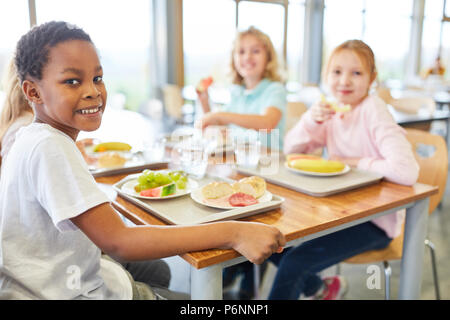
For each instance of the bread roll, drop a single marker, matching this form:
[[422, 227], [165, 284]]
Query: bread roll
[[243, 187], [258, 184], [216, 190], [111, 160]]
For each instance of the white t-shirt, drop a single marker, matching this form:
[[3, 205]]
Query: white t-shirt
[[44, 183]]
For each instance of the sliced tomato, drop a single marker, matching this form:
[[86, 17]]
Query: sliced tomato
[[241, 199]]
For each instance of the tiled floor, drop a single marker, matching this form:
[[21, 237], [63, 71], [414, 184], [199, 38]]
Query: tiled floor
[[357, 275]]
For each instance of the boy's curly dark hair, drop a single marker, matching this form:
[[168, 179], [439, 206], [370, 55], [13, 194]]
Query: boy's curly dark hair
[[33, 48]]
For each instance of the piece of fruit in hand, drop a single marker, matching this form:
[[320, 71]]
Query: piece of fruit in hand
[[204, 84], [336, 106]]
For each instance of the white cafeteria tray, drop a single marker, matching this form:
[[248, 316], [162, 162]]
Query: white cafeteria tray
[[317, 186], [185, 211], [128, 168]]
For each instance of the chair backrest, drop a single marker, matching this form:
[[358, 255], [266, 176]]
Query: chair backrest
[[430, 151], [413, 104], [173, 100], [294, 112], [385, 94]]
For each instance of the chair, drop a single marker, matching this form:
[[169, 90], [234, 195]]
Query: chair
[[294, 112], [414, 104], [174, 104], [433, 171], [410, 105], [173, 100], [385, 94]]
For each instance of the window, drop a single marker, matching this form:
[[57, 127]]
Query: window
[[207, 39], [436, 35], [372, 22], [341, 23], [295, 39], [256, 14], [121, 32], [14, 22], [389, 44]]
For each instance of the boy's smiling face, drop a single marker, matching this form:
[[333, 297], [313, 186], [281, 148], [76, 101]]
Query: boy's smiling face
[[71, 95]]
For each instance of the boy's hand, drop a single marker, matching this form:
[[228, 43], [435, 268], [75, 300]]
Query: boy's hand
[[257, 241]]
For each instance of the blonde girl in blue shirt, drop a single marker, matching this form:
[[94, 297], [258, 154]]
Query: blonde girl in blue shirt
[[258, 102], [258, 98]]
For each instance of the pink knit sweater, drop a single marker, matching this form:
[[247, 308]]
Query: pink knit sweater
[[368, 132]]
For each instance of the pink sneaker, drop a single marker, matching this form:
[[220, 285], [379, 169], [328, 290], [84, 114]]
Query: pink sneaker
[[334, 289]]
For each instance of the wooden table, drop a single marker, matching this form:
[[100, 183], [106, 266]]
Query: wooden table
[[302, 217]]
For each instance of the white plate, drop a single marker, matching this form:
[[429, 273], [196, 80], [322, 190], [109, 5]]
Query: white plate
[[319, 174], [128, 188], [197, 196]]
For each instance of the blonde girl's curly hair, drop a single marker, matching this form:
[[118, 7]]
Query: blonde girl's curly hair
[[15, 103], [271, 71]]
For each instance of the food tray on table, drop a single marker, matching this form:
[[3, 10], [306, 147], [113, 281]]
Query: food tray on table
[[112, 161], [128, 167], [184, 210], [317, 186]]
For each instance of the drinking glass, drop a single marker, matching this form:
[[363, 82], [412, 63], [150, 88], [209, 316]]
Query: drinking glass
[[154, 150], [194, 155], [247, 152]]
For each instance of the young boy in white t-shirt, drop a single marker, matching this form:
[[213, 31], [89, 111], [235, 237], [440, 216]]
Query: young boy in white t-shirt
[[54, 220]]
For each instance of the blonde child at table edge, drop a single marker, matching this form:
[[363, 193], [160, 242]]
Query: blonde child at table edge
[[54, 219], [258, 97], [366, 138]]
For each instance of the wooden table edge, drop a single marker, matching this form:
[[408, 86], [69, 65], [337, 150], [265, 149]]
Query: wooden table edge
[[228, 254]]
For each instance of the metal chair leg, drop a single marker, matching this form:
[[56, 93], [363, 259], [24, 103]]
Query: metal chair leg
[[256, 277], [430, 245], [387, 279]]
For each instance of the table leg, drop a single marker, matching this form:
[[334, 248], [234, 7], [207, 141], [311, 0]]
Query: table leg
[[256, 277], [413, 250], [206, 283]]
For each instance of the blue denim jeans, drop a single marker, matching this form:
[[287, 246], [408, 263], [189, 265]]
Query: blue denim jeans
[[298, 266]]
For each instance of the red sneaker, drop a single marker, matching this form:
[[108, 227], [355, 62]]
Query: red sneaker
[[334, 289]]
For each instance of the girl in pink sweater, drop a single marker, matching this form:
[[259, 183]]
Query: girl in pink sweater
[[364, 137]]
